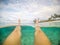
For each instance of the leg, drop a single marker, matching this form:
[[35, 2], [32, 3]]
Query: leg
[[40, 37], [15, 37]]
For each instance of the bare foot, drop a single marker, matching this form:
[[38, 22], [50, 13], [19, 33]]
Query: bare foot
[[40, 37], [15, 37]]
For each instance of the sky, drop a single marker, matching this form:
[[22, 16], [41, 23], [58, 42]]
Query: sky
[[27, 10]]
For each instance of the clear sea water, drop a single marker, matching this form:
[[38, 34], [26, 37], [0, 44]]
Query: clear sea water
[[53, 33]]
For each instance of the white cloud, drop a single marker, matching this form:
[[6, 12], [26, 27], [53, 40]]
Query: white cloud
[[33, 9], [29, 11]]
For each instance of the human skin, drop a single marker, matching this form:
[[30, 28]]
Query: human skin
[[15, 37], [40, 37]]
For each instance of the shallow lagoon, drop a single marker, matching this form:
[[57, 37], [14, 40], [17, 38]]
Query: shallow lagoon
[[28, 34]]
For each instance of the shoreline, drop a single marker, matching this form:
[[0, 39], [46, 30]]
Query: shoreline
[[27, 25], [32, 25]]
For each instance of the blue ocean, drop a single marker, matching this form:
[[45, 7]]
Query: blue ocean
[[53, 33]]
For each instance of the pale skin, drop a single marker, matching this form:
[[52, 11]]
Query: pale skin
[[15, 37], [40, 37]]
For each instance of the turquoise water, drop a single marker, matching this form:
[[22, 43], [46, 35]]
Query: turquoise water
[[53, 33], [4, 32], [27, 35]]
